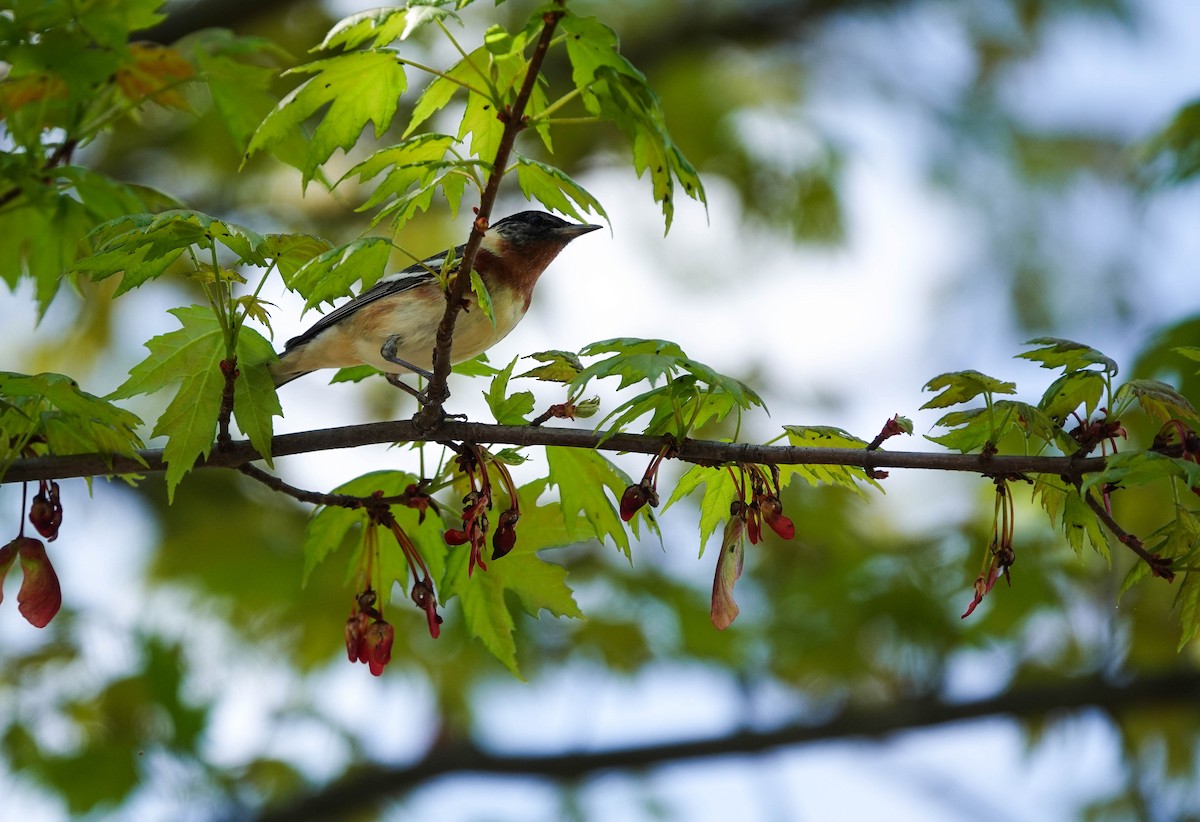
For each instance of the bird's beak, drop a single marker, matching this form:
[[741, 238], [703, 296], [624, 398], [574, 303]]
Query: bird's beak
[[570, 232]]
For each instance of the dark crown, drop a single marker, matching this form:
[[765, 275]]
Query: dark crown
[[534, 226]]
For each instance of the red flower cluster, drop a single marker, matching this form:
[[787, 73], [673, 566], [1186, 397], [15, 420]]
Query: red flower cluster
[[46, 512], [638, 495], [473, 462], [369, 636], [765, 506]]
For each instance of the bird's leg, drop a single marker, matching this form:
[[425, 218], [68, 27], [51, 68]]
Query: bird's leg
[[388, 352]]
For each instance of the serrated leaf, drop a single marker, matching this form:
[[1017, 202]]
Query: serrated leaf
[[560, 366], [610, 86], [1133, 468], [330, 525], [255, 402], [582, 477], [633, 360], [329, 276], [1156, 398], [358, 87], [964, 386], [385, 25], [476, 367], [1078, 522], [1067, 355], [69, 420], [720, 490], [554, 189], [508, 409], [441, 90], [538, 585], [1071, 390], [190, 357]]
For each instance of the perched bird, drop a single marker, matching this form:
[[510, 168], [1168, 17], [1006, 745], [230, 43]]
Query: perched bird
[[393, 324]]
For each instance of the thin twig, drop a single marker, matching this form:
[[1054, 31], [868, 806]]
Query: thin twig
[[1159, 566], [436, 393], [312, 497]]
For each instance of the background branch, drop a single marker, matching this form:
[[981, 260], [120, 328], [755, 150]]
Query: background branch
[[370, 786]]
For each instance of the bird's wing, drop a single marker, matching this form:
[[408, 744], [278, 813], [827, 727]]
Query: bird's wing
[[405, 280]]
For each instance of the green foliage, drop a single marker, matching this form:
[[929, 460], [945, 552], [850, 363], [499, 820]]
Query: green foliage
[[50, 414], [692, 394]]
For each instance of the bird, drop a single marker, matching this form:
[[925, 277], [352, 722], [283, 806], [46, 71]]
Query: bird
[[392, 325]]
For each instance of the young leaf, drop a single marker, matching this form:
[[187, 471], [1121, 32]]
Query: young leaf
[[633, 361], [611, 87], [508, 410], [560, 366], [385, 25], [720, 490], [1159, 400], [53, 408], [1067, 355], [479, 289], [963, 386], [1071, 390], [537, 584]]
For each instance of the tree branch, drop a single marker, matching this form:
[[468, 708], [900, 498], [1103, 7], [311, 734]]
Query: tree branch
[[239, 452], [367, 787], [428, 416]]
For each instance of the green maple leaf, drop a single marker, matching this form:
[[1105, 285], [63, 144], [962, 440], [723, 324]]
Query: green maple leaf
[[538, 585], [191, 357], [329, 275], [69, 420], [331, 525], [358, 87], [1067, 355], [255, 402], [720, 490], [554, 189], [508, 409], [582, 477], [962, 386]]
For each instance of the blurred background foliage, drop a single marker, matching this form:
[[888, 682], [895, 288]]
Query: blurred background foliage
[[119, 711]]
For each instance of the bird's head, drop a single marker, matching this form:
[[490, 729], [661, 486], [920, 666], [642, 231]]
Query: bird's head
[[517, 249], [530, 227]]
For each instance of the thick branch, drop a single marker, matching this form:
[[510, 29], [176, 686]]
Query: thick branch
[[514, 121], [239, 452], [368, 787]]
